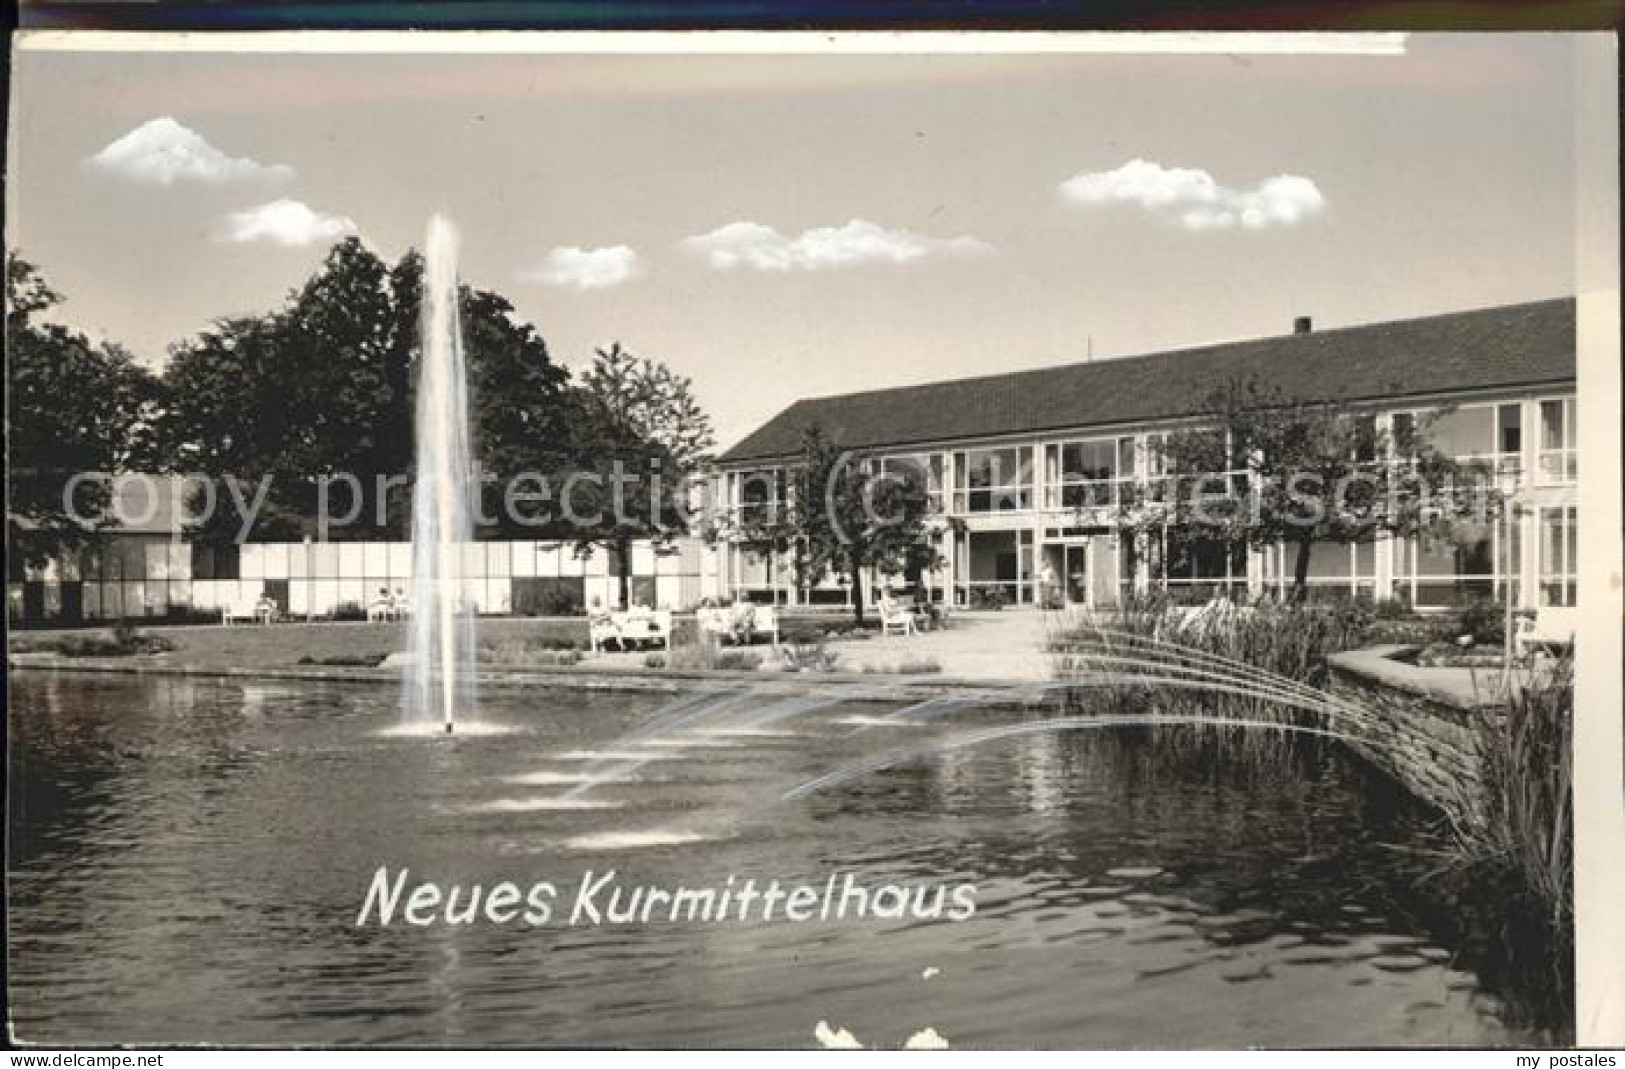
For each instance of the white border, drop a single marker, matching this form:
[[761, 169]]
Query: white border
[[1599, 722], [718, 42]]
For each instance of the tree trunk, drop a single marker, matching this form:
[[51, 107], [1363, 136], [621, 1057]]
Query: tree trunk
[[857, 593], [623, 551], [1300, 572]]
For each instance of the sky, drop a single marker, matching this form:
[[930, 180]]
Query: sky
[[786, 226]]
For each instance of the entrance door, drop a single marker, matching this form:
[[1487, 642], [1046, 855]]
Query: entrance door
[[1104, 556], [1075, 574]]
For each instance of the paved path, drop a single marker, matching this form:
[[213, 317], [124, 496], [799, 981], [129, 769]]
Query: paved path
[[975, 645], [992, 646]]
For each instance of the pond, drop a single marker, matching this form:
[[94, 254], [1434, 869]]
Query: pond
[[190, 856]]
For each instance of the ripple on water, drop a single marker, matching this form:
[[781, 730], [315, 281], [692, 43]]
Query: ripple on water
[[438, 731], [570, 779], [861, 720], [634, 840], [533, 805], [615, 755]]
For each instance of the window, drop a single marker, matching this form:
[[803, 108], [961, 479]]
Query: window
[[1557, 441], [1559, 542], [1085, 474], [994, 564], [215, 561], [1449, 571], [926, 467], [1509, 440], [1465, 433], [1509, 428], [1363, 428], [1481, 562], [1195, 568], [992, 480], [1335, 566], [760, 494]]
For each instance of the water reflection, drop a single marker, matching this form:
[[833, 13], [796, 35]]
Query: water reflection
[[1133, 889]]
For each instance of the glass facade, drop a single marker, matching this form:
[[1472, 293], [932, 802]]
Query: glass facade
[[993, 480], [1559, 555], [1086, 474], [1559, 459], [156, 577]]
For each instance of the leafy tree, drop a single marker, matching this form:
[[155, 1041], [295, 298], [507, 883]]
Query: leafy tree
[[72, 406], [1268, 469], [324, 387], [842, 514], [524, 409], [641, 435]]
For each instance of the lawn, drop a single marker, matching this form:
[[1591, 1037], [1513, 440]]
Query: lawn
[[283, 645]]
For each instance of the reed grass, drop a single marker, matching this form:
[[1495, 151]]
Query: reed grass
[[1528, 763]]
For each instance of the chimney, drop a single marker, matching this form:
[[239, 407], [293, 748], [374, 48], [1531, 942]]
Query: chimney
[[1302, 325]]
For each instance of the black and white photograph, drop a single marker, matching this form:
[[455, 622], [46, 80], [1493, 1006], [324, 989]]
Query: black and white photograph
[[988, 541]]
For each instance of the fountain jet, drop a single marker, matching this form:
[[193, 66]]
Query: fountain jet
[[439, 679]]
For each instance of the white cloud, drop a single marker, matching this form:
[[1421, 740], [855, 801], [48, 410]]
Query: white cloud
[[284, 222], [586, 269], [163, 152], [747, 244], [1194, 199]]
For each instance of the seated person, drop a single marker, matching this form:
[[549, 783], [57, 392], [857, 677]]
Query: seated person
[[710, 618], [741, 622]]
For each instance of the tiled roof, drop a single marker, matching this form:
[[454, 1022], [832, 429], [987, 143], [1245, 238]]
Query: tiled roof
[[1511, 345]]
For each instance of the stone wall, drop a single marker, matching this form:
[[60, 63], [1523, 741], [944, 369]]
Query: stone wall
[[1423, 728]]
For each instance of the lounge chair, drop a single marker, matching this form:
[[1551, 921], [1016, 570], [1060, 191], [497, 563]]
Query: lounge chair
[[713, 623], [764, 620], [895, 618], [240, 610], [1551, 632], [640, 626], [602, 630]]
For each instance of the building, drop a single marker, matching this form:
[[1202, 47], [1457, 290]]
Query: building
[[148, 569], [1030, 464]]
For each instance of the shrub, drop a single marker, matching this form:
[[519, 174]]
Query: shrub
[[347, 660], [808, 656], [533, 653], [988, 599], [705, 656], [910, 665], [654, 660], [349, 610], [1482, 618], [122, 641], [561, 602], [1395, 608], [1525, 832], [738, 660], [181, 613], [1289, 639]]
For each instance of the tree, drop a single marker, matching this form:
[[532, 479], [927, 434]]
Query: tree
[[72, 406], [842, 514], [322, 388], [638, 425], [1267, 469]]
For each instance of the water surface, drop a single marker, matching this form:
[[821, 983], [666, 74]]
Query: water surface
[[189, 856]]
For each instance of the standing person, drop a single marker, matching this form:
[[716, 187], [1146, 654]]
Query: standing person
[[1047, 594]]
